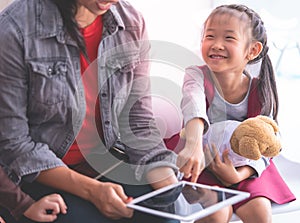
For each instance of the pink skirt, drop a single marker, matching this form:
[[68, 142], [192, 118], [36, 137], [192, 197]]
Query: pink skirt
[[270, 184]]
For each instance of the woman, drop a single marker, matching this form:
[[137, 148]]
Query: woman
[[74, 84]]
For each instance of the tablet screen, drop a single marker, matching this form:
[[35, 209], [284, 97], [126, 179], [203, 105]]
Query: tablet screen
[[187, 201]]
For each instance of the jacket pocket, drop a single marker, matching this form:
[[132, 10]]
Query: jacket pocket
[[48, 82]]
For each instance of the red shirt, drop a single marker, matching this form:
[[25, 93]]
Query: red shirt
[[88, 136]]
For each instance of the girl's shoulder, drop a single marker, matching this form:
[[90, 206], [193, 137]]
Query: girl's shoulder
[[198, 68], [196, 72]]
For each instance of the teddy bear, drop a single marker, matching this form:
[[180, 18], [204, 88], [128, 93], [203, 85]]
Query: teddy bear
[[247, 141], [256, 137]]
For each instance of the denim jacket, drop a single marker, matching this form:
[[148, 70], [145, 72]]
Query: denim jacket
[[42, 97]]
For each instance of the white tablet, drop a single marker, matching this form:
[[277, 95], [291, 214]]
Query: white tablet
[[186, 201]]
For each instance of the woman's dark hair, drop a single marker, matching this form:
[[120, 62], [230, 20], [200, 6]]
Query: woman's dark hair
[[68, 10], [267, 88]]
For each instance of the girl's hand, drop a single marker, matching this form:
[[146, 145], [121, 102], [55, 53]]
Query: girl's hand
[[191, 162], [111, 200], [223, 170], [38, 210]]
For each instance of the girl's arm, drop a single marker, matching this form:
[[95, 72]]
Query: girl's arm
[[193, 105], [191, 160]]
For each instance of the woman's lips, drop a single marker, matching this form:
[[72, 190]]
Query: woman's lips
[[104, 6]]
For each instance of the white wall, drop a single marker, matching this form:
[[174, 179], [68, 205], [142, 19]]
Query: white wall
[[180, 22], [175, 21]]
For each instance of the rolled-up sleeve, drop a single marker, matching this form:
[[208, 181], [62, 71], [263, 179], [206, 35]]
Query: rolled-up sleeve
[[138, 129]]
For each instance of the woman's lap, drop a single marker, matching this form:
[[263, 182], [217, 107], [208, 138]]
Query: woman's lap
[[80, 210]]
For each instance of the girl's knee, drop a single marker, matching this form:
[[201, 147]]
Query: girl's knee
[[256, 210], [222, 216]]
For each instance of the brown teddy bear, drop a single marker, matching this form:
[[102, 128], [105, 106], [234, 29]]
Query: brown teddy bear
[[247, 140], [256, 137]]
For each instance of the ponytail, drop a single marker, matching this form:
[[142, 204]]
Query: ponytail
[[267, 88]]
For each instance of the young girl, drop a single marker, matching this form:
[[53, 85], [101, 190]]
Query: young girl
[[233, 37]]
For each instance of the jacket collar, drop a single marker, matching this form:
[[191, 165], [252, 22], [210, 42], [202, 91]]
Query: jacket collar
[[50, 24]]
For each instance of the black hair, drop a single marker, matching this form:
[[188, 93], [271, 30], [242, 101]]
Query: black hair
[[267, 88], [68, 10]]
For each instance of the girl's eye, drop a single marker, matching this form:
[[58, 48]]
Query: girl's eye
[[209, 36], [230, 37]]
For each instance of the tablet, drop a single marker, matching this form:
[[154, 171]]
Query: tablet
[[186, 201]]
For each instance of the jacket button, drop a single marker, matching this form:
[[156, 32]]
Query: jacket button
[[50, 70], [112, 28], [107, 122]]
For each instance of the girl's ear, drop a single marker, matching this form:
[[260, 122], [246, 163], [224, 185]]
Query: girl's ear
[[255, 50]]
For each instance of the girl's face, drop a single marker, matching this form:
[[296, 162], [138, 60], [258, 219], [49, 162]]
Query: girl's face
[[225, 43]]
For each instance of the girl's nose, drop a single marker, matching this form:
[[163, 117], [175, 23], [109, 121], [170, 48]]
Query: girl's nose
[[217, 45]]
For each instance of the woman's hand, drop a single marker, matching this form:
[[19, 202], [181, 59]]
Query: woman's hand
[[38, 210], [111, 200]]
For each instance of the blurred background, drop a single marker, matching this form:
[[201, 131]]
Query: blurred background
[[180, 22]]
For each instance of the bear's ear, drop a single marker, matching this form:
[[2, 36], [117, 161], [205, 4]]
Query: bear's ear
[[269, 121], [249, 148]]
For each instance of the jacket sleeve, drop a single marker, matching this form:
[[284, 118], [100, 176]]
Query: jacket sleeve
[[12, 198], [18, 151], [144, 144]]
